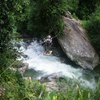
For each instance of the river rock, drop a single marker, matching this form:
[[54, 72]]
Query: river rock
[[53, 77], [25, 56], [63, 60], [22, 70], [77, 46]]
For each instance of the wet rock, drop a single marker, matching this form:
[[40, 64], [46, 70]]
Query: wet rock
[[53, 77], [25, 56], [77, 46], [55, 53], [63, 60]]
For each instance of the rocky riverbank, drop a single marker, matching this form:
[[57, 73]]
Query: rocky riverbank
[[22, 70]]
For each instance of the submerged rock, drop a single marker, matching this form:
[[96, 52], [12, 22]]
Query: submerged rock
[[53, 77], [77, 46], [25, 56]]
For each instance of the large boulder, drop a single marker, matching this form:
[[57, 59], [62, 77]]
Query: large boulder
[[77, 46]]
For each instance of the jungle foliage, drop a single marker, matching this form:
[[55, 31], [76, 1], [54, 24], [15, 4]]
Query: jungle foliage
[[93, 27], [19, 89], [86, 7], [8, 11], [42, 17]]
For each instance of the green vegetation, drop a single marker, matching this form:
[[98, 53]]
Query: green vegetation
[[93, 27], [18, 64], [8, 12], [42, 17], [38, 18], [19, 89], [69, 90], [86, 7]]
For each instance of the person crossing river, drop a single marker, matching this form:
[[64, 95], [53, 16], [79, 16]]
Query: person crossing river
[[47, 44]]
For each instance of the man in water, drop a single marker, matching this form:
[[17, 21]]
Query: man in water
[[48, 43]]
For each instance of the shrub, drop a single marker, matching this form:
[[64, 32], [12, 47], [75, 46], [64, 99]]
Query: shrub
[[93, 28], [97, 91], [18, 64]]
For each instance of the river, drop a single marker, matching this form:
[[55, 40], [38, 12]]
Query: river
[[41, 65]]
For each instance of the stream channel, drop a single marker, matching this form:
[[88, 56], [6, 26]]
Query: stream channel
[[41, 65]]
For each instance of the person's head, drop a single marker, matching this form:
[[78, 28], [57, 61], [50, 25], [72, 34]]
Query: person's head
[[49, 36]]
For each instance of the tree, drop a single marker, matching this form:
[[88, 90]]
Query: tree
[[8, 10], [93, 27], [86, 7], [45, 15]]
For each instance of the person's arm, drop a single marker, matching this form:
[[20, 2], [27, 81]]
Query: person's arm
[[51, 40]]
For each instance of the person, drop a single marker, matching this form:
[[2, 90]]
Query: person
[[47, 43]]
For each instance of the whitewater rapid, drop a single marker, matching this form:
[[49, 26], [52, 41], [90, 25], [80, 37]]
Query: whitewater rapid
[[52, 64]]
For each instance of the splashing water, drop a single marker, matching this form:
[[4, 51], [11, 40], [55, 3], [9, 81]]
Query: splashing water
[[51, 64]]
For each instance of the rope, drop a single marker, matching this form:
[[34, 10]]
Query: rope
[[44, 41], [57, 34]]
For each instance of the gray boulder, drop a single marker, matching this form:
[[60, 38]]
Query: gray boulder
[[77, 46]]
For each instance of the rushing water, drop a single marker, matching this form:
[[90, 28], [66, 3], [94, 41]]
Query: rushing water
[[40, 65]]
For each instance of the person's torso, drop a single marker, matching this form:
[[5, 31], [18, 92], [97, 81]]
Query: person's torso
[[48, 40]]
